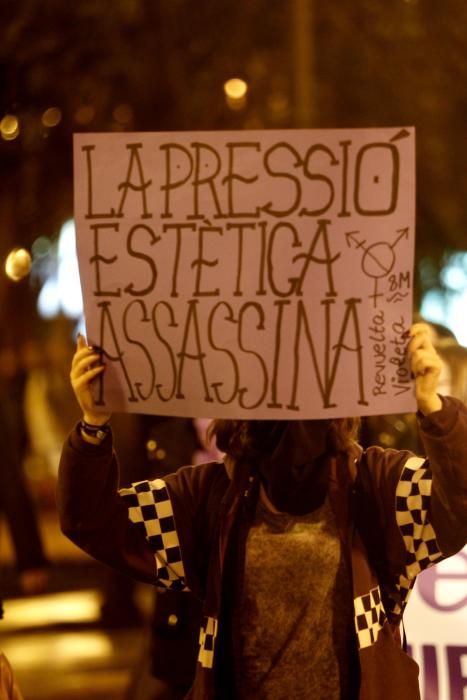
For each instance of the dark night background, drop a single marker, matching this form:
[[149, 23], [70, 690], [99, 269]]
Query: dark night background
[[146, 65]]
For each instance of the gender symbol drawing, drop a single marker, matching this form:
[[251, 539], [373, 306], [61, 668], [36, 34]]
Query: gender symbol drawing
[[378, 261]]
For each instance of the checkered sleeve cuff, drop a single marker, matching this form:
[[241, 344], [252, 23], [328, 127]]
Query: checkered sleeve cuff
[[413, 495], [150, 509]]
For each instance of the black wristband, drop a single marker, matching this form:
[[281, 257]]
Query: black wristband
[[95, 431]]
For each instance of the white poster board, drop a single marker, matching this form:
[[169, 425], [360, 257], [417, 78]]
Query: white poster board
[[250, 274]]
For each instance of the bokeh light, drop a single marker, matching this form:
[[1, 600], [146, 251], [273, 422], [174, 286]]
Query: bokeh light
[[123, 114], [447, 304], [84, 115], [9, 127], [18, 264], [235, 90], [41, 247], [51, 117]]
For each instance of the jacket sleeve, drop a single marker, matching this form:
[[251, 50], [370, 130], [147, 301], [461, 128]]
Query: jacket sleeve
[[170, 515], [148, 530], [422, 501], [444, 436]]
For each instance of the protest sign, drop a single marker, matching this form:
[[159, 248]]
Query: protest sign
[[436, 621], [249, 274]]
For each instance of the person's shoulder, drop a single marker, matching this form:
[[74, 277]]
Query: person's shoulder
[[203, 474], [377, 457]]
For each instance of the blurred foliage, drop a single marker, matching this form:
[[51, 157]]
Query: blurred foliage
[[398, 62]]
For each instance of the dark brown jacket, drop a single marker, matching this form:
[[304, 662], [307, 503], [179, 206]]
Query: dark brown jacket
[[174, 533]]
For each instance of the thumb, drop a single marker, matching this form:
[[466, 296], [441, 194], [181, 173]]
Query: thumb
[[81, 342]]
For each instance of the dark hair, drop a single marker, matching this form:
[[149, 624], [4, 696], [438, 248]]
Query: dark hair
[[247, 439]]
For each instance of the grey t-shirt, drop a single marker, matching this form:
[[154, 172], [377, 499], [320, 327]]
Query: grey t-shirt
[[296, 613]]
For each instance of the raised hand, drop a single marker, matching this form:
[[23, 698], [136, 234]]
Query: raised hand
[[85, 367], [426, 367]]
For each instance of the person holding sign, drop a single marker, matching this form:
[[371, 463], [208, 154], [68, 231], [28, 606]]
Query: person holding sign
[[302, 546]]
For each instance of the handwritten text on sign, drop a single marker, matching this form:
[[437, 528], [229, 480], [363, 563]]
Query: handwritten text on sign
[[261, 274]]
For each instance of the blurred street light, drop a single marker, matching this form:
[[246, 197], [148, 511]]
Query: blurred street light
[[9, 127], [235, 90], [18, 264], [51, 117]]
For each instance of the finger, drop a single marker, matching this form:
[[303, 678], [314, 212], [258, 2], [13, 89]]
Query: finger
[[424, 362], [83, 363], [81, 341], [86, 350], [82, 344], [79, 354], [87, 377], [420, 328], [421, 340], [429, 352]]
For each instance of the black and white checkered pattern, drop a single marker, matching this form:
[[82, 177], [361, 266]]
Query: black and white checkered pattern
[[413, 494], [207, 640], [150, 508], [404, 588], [369, 617]]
